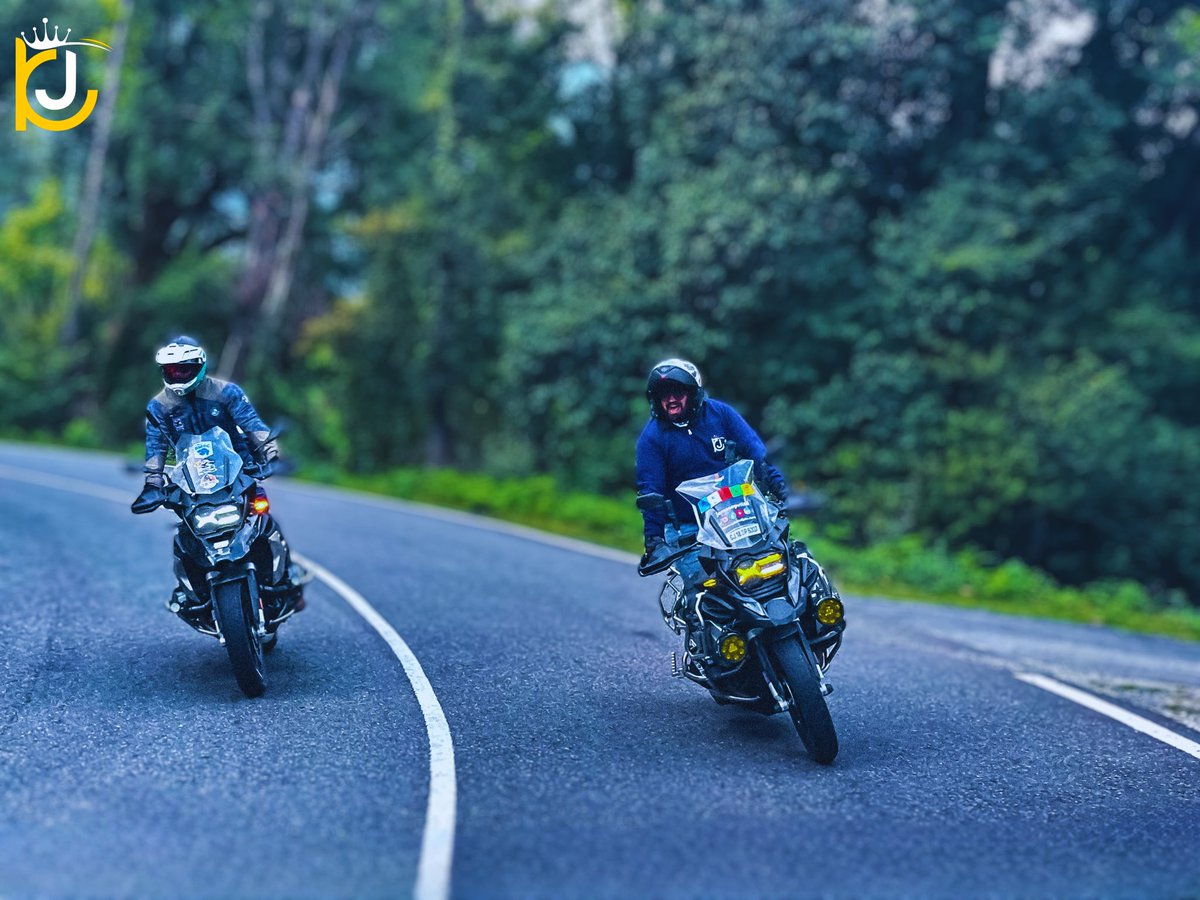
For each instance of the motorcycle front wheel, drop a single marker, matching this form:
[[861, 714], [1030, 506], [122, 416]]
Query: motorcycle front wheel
[[238, 624], [810, 713]]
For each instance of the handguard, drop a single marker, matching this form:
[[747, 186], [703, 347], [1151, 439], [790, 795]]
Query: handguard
[[661, 559], [150, 499]]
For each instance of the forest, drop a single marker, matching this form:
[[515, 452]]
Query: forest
[[942, 255]]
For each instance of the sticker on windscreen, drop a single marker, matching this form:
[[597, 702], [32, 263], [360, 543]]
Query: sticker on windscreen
[[737, 521]]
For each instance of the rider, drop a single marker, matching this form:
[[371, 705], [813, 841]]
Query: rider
[[192, 402], [686, 438]]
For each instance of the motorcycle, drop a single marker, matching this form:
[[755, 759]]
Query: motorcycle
[[235, 578], [766, 622]]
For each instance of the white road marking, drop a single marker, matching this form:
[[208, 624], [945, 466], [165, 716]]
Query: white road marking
[[64, 483], [437, 843], [1083, 698]]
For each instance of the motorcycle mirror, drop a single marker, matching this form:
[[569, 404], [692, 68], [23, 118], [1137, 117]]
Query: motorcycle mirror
[[805, 501], [282, 467], [281, 426]]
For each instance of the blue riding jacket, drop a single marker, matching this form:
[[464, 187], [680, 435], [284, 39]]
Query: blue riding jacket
[[212, 402], [668, 455]]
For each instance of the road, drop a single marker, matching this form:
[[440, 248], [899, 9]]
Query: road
[[131, 765]]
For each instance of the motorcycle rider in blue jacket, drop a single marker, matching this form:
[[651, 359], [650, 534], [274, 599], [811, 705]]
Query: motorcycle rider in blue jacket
[[686, 437], [192, 402]]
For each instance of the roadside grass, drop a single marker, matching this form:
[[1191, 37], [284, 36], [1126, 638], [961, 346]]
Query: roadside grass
[[902, 569]]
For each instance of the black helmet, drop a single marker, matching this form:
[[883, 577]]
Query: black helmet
[[675, 371]]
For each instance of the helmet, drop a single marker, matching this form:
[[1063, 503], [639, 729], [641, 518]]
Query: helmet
[[183, 363], [675, 371]]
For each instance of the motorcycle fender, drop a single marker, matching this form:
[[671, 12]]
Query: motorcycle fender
[[784, 632], [780, 611], [805, 646]]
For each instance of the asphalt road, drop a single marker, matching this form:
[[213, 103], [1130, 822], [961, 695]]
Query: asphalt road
[[131, 765]]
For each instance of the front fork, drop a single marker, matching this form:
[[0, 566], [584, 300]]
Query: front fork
[[246, 573], [779, 691]]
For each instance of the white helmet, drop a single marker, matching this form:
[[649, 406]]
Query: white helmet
[[183, 362]]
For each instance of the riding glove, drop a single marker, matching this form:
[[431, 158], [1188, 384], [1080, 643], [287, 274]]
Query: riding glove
[[151, 497]]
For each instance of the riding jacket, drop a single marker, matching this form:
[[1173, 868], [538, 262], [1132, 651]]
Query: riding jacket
[[669, 454], [212, 402]]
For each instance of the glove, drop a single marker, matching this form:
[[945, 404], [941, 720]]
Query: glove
[[270, 451], [150, 499]]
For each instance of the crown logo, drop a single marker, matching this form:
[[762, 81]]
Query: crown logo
[[45, 42]]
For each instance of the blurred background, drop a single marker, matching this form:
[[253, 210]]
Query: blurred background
[[941, 254]]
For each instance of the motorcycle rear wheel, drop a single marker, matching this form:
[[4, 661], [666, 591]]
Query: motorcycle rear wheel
[[238, 624], [810, 713]]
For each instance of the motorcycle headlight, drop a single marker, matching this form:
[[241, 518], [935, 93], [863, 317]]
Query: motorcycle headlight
[[209, 519], [761, 569]]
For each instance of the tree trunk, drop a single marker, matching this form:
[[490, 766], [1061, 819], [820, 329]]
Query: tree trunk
[[93, 181], [292, 141]]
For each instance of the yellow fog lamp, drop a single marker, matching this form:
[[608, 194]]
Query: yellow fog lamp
[[830, 611], [733, 647], [766, 567]]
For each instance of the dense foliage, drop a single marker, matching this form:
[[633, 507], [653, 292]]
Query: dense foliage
[[942, 254]]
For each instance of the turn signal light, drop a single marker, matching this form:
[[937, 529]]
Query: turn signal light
[[261, 505], [830, 611]]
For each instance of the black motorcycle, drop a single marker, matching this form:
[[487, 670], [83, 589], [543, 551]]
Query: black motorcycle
[[765, 622], [235, 578]]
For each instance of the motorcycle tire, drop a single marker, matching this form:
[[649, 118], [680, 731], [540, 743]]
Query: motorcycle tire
[[235, 618], [810, 713]]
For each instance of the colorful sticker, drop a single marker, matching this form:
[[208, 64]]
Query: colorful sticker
[[725, 493]]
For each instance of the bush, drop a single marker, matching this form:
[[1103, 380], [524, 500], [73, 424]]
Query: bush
[[902, 567]]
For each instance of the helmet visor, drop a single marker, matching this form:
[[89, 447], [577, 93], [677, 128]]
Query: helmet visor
[[180, 372], [668, 388]]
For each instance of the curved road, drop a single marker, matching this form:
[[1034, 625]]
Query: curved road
[[131, 765]]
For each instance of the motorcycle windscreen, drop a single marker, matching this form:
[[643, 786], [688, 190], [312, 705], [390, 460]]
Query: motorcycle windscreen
[[205, 463], [731, 511]]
